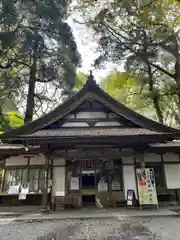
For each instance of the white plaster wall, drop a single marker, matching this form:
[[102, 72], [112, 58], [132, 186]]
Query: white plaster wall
[[58, 184], [75, 124], [106, 124], [170, 157], [128, 160], [172, 175], [152, 157], [37, 160], [129, 179], [137, 158], [15, 161], [91, 115], [59, 161]]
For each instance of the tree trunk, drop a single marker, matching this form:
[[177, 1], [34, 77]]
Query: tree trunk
[[31, 87], [46, 177], [155, 95], [177, 79]]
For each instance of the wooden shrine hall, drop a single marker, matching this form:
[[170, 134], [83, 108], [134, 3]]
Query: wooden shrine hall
[[90, 151]]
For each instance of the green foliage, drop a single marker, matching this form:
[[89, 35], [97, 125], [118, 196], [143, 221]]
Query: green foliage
[[122, 86], [127, 89], [144, 36], [15, 119], [11, 120], [9, 116], [38, 52], [81, 79]]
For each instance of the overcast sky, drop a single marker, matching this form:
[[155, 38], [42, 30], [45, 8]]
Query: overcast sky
[[87, 48]]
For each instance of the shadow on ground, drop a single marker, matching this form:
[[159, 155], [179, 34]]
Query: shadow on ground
[[125, 229]]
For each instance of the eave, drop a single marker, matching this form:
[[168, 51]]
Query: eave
[[121, 141], [13, 150]]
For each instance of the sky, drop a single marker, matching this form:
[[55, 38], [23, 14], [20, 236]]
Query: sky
[[87, 48]]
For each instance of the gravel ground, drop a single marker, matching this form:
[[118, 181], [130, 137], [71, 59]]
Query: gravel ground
[[109, 229]]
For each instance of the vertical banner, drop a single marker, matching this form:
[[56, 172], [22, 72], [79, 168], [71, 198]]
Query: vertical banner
[[146, 186], [24, 191]]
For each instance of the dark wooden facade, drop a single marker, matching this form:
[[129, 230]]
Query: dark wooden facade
[[90, 125]]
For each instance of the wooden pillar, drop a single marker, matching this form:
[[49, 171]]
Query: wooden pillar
[[142, 162], [142, 166], [45, 189], [2, 179]]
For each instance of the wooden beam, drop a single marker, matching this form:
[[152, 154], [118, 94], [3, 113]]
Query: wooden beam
[[120, 141], [45, 189], [2, 179], [91, 154]]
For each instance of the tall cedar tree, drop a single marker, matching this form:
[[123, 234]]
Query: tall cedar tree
[[39, 55]]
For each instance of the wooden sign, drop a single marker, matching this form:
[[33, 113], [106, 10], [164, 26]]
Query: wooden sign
[[146, 186], [24, 188], [22, 196], [74, 183], [131, 198], [102, 185]]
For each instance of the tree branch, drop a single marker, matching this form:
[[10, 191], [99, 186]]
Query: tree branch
[[163, 70], [44, 81]]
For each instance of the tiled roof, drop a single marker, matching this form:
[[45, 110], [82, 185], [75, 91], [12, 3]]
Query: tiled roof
[[67, 132]]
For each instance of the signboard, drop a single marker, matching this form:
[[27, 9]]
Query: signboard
[[22, 196], [115, 185], [74, 184], [90, 171], [24, 191], [102, 185], [131, 198], [24, 188], [13, 189], [146, 186]]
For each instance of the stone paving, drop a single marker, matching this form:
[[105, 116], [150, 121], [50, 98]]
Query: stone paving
[[128, 228], [35, 213], [88, 214]]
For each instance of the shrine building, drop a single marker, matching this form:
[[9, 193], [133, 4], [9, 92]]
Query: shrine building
[[86, 152]]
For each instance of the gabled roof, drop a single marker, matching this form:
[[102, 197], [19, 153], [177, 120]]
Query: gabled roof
[[90, 91]]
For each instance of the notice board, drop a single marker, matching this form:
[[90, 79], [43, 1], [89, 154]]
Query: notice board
[[131, 198], [146, 186]]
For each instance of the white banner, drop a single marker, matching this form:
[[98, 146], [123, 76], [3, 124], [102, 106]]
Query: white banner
[[74, 183], [22, 196]]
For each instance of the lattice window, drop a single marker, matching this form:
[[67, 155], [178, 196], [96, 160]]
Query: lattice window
[[116, 176], [35, 178]]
